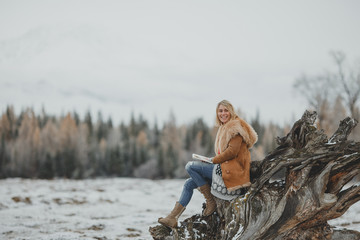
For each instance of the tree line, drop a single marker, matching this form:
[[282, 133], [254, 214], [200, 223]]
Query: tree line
[[44, 146]]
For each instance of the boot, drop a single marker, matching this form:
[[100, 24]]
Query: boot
[[171, 219], [210, 201]]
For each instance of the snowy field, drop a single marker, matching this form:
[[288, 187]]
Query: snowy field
[[115, 208]]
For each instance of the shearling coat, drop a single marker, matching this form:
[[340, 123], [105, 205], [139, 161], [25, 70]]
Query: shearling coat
[[232, 144]]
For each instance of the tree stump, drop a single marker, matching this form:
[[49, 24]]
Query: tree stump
[[296, 189]]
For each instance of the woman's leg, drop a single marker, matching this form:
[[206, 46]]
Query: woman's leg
[[200, 172], [187, 192]]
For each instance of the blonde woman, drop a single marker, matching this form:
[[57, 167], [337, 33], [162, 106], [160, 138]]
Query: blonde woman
[[229, 174]]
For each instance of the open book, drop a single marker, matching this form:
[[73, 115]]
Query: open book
[[201, 158]]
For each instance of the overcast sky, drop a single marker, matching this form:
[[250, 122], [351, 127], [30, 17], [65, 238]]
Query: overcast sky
[[153, 57]]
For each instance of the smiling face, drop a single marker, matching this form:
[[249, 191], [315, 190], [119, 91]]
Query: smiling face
[[223, 114]]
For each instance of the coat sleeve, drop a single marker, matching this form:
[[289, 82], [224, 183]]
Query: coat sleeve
[[231, 151]]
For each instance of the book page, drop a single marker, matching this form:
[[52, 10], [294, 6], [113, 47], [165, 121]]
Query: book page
[[201, 158]]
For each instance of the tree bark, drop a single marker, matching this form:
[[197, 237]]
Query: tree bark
[[296, 189]]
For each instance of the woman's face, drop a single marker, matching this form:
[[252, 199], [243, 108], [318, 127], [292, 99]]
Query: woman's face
[[223, 114]]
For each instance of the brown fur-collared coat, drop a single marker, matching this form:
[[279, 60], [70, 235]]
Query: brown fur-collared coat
[[232, 144]]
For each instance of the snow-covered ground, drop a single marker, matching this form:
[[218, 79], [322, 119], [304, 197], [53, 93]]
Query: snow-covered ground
[[115, 208]]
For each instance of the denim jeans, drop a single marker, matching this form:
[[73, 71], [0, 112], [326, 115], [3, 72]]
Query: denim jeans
[[200, 174]]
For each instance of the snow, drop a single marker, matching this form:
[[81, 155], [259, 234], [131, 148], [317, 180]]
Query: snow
[[239, 232], [115, 208], [350, 155], [112, 208]]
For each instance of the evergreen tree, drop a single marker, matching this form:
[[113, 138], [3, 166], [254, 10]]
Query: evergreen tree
[[76, 118], [109, 123], [10, 113], [116, 163], [160, 163], [156, 136], [132, 127], [258, 127], [46, 167], [171, 162], [101, 128], [88, 121]]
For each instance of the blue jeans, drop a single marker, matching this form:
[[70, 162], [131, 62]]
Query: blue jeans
[[200, 174]]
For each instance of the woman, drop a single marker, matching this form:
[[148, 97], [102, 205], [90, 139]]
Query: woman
[[230, 171]]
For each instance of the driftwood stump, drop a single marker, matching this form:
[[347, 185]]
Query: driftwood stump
[[306, 181]]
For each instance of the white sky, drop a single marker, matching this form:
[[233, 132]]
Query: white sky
[[153, 57]]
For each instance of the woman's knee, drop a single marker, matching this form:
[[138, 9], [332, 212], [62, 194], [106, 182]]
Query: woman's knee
[[188, 166], [190, 184]]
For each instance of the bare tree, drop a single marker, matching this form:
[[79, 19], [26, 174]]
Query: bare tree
[[318, 92], [349, 81], [325, 91]]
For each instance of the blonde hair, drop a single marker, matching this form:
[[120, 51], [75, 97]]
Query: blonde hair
[[229, 107]]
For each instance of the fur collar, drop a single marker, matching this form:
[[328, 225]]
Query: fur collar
[[229, 130]]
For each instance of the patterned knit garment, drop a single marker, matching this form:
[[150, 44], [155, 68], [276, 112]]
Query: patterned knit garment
[[218, 188]]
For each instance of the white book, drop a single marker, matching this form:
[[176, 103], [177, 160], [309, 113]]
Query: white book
[[201, 158]]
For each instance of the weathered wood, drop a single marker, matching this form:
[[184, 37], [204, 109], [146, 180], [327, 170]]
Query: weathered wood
[[295, 206]]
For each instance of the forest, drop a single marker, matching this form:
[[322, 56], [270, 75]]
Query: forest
[[44, 146], [39, 145]]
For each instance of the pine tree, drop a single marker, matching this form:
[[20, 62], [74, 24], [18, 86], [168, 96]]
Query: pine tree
[[116, 163], [160, 163], [88, 121], [258, 127]]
